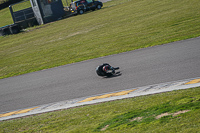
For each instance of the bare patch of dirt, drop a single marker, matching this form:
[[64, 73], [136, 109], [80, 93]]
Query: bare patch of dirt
[[173, 114], [180, 112], [103, 129], [162, 115], [136, 119]]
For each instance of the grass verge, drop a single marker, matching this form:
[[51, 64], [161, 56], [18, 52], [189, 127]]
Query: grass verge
[[122, 25], [176, 111]]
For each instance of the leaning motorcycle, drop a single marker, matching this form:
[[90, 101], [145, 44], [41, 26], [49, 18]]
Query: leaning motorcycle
[[109, 73]]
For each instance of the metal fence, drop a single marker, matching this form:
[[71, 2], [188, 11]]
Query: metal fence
[[23, 15]]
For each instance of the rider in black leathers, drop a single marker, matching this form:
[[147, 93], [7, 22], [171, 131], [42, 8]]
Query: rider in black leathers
[[105, 70]]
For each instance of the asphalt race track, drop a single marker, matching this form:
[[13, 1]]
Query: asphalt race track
[[159, 64]]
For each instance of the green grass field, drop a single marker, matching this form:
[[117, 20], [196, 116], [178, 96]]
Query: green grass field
[[122, 25], [176, 111]]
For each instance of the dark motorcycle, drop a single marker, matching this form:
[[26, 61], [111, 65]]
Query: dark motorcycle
[[106, 70]]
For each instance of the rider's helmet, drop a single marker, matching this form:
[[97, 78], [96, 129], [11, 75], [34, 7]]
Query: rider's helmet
[[106, 68]]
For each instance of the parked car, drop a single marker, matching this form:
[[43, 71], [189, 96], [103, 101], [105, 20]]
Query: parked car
[[81, 6]]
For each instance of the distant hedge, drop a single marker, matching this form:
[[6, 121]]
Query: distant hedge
[[6, 3]]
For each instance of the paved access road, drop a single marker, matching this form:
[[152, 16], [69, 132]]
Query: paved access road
[[159, 64]]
